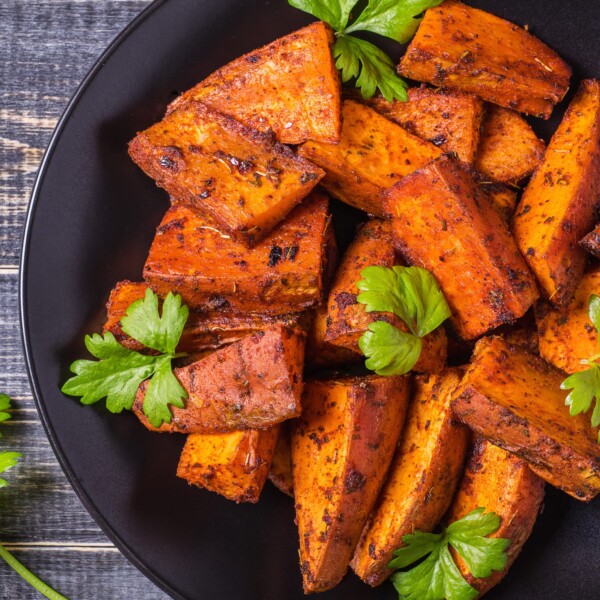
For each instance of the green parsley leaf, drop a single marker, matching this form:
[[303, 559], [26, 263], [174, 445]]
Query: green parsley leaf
[[7, 461], [163, 385], [4, 406], [585, 386], [416, 547], [334, 12], [594, 312], [424, 581]]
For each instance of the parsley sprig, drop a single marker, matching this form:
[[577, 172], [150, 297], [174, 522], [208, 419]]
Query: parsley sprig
[[437, 577], [585, 385], [361, 60], [414, 295], [119, 371]]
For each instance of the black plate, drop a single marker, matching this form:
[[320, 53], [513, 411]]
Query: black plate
[[90, 224]]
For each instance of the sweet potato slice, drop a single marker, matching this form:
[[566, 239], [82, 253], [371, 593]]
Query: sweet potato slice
[[508, 150], [502, 483], [280, 473], [448, 119], [281, 273], [558, 206], [514, 399], [463, 48], [591, 242], [443, 222], [242, 179], [342, 446], [567, 336], [290, 86], [373, 153], [422, 479], [347, 320], [253, 384], [233, 464]]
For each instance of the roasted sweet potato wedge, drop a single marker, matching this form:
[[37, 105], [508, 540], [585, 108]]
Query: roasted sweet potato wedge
[[290, 86], [503, 198], [233, 464], [443, 222], [342, 446], [448, 119], [463, 48], [591, 242], [281, 273], [501, 483], [242, 179], [252, 384], [280, 473], [373, 153], [347, 320], [514, 400], [558, 206], [508, 150], [422, 479], [567, 336]]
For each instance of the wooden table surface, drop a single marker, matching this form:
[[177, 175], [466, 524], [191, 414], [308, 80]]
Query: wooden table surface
[[46, 48]]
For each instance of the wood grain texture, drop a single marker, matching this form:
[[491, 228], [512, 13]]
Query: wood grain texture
[[47, 47]]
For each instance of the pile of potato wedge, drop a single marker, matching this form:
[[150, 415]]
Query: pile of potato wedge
[[454, 181]]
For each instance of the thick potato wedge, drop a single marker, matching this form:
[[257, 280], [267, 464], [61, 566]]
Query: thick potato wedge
[[502, 483], [450, 120], [463, 48], [514, 399], [508, 150], [290, 86], [591, 242], [558, 206], [443, 222], [342, 446], [233, 464], [281, 273], [280, 473], [567, 336], [373, 153], [503, 198], [422, 479], [242, 179], [252, 384], [347, 320]]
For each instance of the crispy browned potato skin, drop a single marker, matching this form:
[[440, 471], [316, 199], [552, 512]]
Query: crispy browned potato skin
[[514, 399], [280, 473], [448, 119], [342, 446], [501, 483], [290, 86], [591, 242], [558, 206], [282, 272], [443, 222], [567, 335], [422, 479], [252, 384], [246, 182], [508, 150], [347, 320], [233, 464], [373, 153], [463, 48]]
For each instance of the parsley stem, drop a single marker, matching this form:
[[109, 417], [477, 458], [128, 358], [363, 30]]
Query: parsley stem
[[28, 576]]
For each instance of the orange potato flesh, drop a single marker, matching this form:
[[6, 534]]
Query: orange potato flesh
[[591, 242], [280, 473], [502, 197]]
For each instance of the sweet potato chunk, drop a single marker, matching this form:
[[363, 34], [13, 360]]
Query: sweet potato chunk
[[342, 446], [591, 242], [450, 120], [242, 179], [282, 273], [508, 150], [373, 153], [443, 222], [558, 207], [502, 483], [567, 336], [422, 479], [252, 384], [233, 464], [503, 198], [463, 48], [514, 399], [347, 320], [290, 86], [280, 473]]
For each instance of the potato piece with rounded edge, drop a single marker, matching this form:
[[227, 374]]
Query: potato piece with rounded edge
[[422, 479], [501, 483], [280, 472], [591, 242], [234, 465], [514, 400], [342, 446]]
